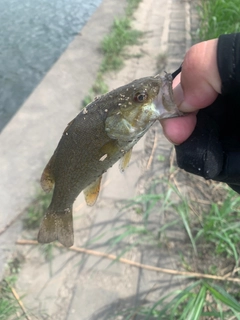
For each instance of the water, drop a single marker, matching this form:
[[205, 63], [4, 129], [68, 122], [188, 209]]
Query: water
[[33, 34]]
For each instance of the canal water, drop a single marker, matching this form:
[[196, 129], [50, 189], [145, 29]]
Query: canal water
[[33, 34]]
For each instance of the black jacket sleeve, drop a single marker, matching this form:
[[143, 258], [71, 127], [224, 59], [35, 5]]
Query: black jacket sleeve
[[228, 60]]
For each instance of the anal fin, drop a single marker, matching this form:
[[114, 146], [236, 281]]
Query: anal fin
[[57, 226], [92, 191], [124, 161]]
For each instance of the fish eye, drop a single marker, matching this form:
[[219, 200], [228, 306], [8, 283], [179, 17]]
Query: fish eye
[[140, 97]]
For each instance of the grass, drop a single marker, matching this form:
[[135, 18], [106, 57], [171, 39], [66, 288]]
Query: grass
[[8, 304], [113, 49], [9, 307], [213, 235], [113, 44], [221, 228], [199, 299], [99, 88], [218, 229], [132, 5], [147, 233], [218, 17]]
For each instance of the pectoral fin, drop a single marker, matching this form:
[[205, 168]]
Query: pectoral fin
[[47, 179], [124, 161], [92, 191], [117, 127]]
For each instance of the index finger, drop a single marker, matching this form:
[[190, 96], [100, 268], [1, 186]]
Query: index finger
[[200, 80]]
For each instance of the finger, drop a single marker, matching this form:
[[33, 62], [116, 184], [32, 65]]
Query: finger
[[200, 80], [177, 130]]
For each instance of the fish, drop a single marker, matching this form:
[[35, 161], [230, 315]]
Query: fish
[[102, 133]]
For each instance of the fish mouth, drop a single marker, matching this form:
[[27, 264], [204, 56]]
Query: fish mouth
[[164, 102]]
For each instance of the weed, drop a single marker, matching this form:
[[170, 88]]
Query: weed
[[8, 305], [113, 44], [131, 7], [200, 299], [218, 17], [98, 89], [197, 300], [220, 228], [112, 47], [161, 158]]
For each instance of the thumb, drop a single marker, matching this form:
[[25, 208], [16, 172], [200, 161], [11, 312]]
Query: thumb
[[200, 80]]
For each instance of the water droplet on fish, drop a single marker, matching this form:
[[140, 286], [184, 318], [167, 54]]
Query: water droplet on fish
[[106, 110], [103, 157]]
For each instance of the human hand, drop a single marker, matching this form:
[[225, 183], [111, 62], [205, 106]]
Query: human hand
[[196, 87], [207, 139]]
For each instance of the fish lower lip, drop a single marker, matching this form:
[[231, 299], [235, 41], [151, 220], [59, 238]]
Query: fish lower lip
[[164, 101]]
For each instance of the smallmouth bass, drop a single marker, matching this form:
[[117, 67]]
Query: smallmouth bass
[[101, 134]]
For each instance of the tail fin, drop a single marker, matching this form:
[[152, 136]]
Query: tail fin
[[57, 226]]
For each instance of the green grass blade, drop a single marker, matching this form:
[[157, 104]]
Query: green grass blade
[[220, 294], [237, 315], [225, 238], [182, 211], [173, 304], [196, 311]]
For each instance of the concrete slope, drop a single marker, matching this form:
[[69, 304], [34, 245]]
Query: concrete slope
[[81, 286], [31, 136]]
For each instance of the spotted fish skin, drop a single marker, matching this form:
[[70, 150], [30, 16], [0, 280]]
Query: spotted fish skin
[[101, 134]]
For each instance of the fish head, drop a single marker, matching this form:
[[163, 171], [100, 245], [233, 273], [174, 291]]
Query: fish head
[[140, 103]]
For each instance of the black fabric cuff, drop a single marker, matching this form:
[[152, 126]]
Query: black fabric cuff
[[228, 60]]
